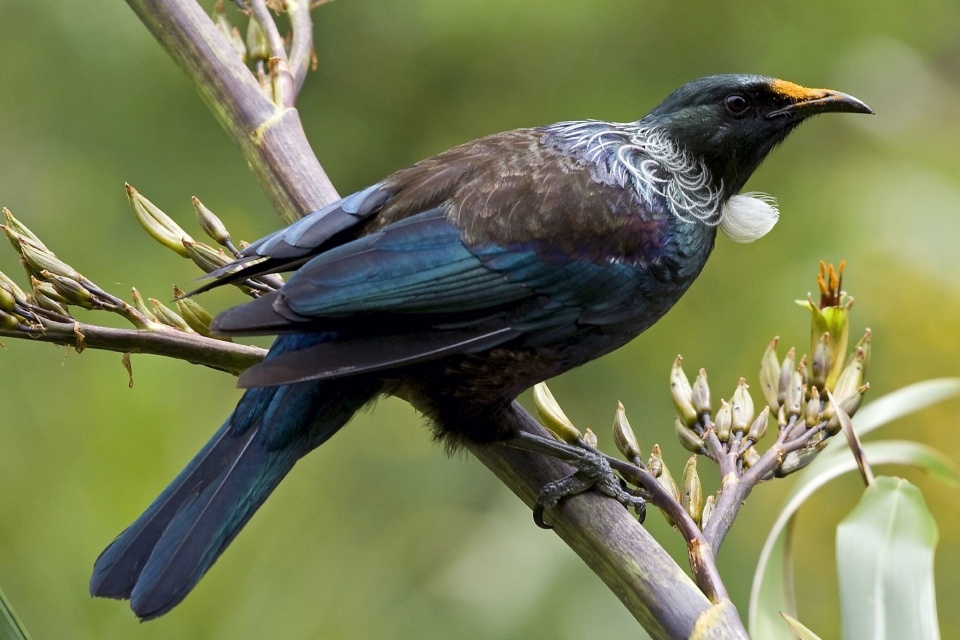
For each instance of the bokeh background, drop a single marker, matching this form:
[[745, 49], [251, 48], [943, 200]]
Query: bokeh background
[[379, 534]]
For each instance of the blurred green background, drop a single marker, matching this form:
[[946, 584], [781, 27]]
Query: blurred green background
[[379, 534]]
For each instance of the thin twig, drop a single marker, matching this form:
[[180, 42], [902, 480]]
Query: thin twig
[[284, 92], [218, 354], [301, 45]]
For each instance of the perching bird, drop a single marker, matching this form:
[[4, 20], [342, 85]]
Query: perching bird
[[458, 283]]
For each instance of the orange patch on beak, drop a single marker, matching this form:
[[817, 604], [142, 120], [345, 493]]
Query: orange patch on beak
[[795, 92]]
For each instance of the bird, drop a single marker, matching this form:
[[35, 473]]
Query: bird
[[456, 284]]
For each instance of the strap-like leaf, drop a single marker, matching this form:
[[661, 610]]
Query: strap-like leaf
[[769, 594], [885, 550], [10, 626], [801, 630]]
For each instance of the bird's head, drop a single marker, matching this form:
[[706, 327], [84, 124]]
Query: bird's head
[[733, 121]]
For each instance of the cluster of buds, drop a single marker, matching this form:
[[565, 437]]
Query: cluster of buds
[[807, 403], [270, 56], [801, 398], [208, 258], [55, 286], [14, 305]]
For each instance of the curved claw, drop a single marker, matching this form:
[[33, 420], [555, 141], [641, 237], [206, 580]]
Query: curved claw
[[641, 511], [538, 510]]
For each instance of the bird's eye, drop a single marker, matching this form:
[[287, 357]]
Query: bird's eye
[[737, 104]]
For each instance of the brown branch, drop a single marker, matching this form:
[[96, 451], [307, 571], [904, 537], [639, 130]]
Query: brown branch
[[271, 137], [700, 552], [284, 92], [301, 46], [218, 354], [614, 545]]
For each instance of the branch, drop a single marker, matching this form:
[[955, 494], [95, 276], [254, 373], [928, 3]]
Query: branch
[[270, 137], [301, 45], [163, 341], [614, 545]]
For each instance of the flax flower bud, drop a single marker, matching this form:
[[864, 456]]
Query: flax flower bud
[[787, 368], [169, 317], [687, 437], [750, 457], [623, 434], [205, 256], [71, 291], [196, 317], [691, 496], [770, 375], [701, 393], [708, 506], [820, 368], [830, 316], [140, 305], [741, 405], [850, 404], [655, 462], [812, 414], [9, 321], [665, 478], [851, 378], [793, 401], [759, 426], [158, 224], [21, 230], [682, 393], [8, 284], [553, 416], [210, 223], [723, 421]]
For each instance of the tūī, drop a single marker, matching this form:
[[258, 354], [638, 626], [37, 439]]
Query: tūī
[[456, 284]]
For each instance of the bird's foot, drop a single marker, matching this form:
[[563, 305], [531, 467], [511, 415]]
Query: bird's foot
[[593, 472]]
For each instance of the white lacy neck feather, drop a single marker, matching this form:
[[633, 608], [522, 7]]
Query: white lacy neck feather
[[644, 157]]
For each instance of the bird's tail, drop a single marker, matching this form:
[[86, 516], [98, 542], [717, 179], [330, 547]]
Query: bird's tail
[[158, 559]]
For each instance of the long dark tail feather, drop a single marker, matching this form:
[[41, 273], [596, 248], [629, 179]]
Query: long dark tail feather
[[158, 559]]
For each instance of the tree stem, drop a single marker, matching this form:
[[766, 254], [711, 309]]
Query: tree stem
[[270, 136], [614, 545]]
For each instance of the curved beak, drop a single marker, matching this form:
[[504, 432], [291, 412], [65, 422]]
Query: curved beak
[[810, 102]]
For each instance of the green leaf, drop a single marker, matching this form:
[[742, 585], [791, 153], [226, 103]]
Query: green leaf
[[776, 563], [886, 409], [885, 561], [799, 629], [771, 591], [10, 626], [905, 401]]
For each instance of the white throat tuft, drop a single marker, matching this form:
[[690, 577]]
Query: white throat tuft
[[749, 216]]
